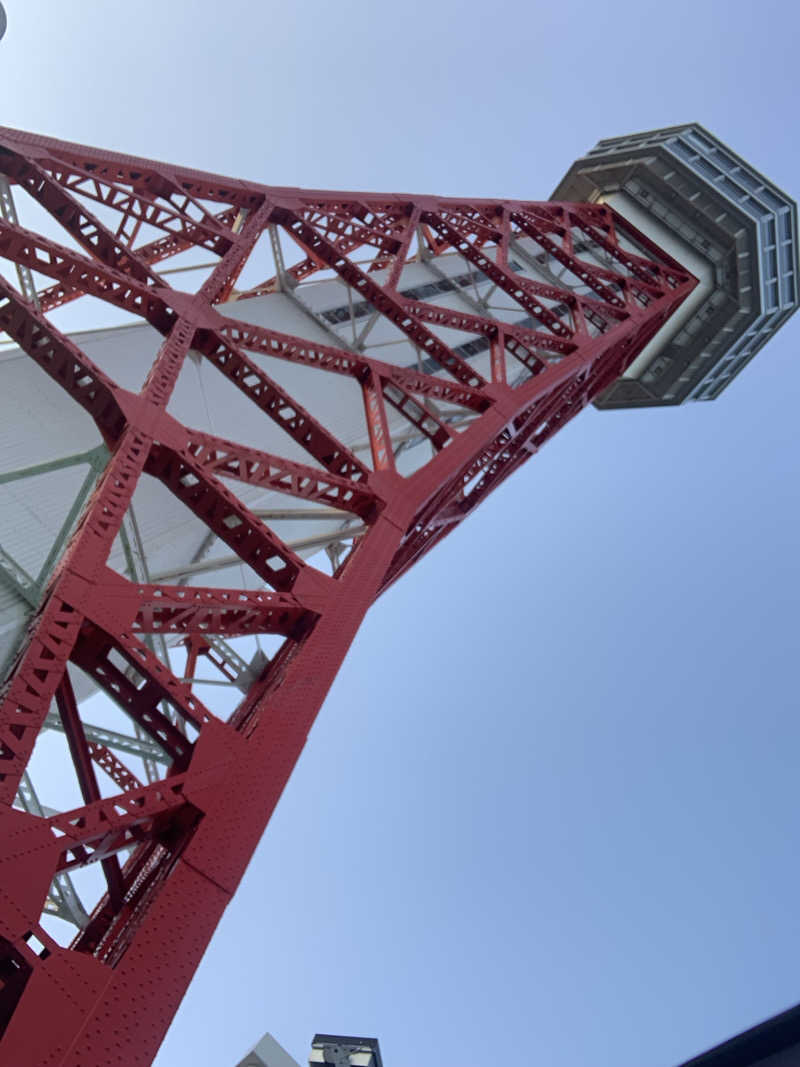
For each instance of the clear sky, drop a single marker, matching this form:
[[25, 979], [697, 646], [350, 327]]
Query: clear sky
[[549, 812]]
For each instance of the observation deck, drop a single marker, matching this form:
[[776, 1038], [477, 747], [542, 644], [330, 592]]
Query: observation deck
[[732, 227]]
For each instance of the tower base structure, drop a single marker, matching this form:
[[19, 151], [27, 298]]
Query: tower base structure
[[472, 331]]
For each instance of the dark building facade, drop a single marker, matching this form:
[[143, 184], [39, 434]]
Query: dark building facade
[[773, 1043]]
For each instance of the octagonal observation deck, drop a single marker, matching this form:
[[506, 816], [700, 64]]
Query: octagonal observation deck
[[733, 228]]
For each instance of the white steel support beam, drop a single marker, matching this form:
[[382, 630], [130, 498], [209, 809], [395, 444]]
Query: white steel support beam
[[276, 514], [9, 212], [142, 747], [289, 287], [322, 322], [284, 281], [13, 573], [223, 562], [15, 576]]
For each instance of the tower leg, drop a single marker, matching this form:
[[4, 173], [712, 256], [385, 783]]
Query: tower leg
[[173, 851]]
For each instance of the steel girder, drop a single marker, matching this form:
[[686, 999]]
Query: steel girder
[[174, 850]]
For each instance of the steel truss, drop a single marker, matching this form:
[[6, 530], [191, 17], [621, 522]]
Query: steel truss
[[174, 850]]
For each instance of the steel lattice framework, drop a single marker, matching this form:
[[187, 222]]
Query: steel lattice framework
[[187, 837]]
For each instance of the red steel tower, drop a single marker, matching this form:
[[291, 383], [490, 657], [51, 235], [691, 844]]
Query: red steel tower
[[400, 358]]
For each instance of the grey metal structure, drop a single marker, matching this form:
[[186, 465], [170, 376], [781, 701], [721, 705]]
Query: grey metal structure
[[345, 1051], [734, 228], [268, 1053], [325, 1048], [773, 1043]]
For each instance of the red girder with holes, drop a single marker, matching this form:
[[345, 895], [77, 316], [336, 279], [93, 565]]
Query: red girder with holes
[[109, 997]]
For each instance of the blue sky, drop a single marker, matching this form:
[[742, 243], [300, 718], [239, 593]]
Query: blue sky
[[549, 809]]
